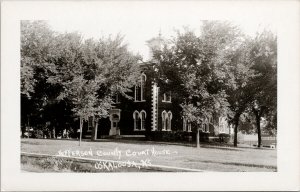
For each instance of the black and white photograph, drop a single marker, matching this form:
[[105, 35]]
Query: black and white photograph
[[201, 99], [144, 87]]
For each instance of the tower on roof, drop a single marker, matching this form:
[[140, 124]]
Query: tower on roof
[[154, 44]]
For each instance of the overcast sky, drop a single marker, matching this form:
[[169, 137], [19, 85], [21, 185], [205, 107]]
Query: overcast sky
[[137, 29]]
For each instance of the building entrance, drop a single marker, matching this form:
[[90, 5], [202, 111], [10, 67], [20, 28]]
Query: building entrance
[[114, 117]]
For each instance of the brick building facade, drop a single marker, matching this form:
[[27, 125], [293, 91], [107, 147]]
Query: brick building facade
[[150, 111]]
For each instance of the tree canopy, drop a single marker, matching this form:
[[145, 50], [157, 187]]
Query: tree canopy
[[221, 71], [84, 74]]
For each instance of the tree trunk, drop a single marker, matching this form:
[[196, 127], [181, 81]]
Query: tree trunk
[[80, 122], [236, 124], [258, 133], [198, 138], [257, 117], [94, 132], [23, 129], [53, 132], [28, 125]]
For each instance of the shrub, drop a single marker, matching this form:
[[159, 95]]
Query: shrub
[[38, 134], [224, 137]]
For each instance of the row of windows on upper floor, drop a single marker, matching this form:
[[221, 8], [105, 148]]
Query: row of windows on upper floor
[[139, 92]]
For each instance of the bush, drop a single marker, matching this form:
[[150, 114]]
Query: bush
[[164, 136], [38, 134], [204, 136], [224, 137]]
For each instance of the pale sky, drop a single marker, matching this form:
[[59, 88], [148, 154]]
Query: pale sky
[[138, 30]]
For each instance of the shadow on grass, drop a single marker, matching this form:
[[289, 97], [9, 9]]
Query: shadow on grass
[[207, 145], [237, 164], [184, 144]]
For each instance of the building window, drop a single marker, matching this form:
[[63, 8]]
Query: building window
[[139, 120], [143, 118], [139, 93], [115, 98], [136, 119], [205, 126], [187, 126], [167, 97], [166, 120], [90, 123], [163, 117], [170, 116], [143, 83], [222, 125]]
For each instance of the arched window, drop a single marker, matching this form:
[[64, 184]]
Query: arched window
[[143, 119], [166, 120], [163, 117], [117, 99], [189, 126], [143, 83], [90, 123], [170, 116], [205, 126], [139, 93], [136, 119], [222, 125]]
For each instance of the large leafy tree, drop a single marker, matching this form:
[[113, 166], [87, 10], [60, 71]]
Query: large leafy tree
[[61, 72], [37, 45], [239, 93], [197, 67], [264, 84], [91, 72]]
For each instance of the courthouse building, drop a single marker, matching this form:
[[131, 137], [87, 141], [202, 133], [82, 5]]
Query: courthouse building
[[150, 111]]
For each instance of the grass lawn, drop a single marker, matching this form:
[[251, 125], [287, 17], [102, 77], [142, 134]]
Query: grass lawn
[[206, 158]]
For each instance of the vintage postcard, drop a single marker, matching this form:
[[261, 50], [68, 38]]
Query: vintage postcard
[[176, 93]]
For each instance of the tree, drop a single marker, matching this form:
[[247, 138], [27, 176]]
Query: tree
[[238, 91], [61, 72], [37, 45], [197, 67], [247, 123], [94, 72], [264, 83]]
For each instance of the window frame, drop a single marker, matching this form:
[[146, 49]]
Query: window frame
[[143, 121], [136, 117], [170, 117], [187, 125], [164, 115], [205, 126], [165, 99], [139, 90], [90, 123]]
